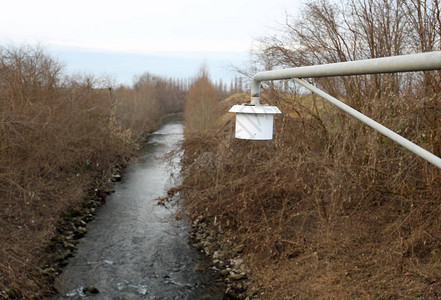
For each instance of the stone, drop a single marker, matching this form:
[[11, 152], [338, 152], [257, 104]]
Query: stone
[[90, 289], [116, 177], [217, 255], [70, 236], [110, 190], [237, 276], [231, 293], [236, 263], [68, 245], [81, 230]]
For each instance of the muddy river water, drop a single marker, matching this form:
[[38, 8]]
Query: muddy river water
[[136, 249]]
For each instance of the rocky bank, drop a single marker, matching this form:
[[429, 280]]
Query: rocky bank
[[227, 259]]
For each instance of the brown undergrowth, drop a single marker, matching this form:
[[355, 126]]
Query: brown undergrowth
[[328, 209], [59, 139]]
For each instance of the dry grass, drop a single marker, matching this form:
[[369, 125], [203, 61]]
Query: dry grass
[[59, 138], [329, 208]]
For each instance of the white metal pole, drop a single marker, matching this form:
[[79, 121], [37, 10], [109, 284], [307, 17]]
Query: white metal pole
[[403, 63], [375, 125]]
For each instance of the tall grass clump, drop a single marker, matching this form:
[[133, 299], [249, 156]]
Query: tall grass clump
[[330, 208], [59, 139]]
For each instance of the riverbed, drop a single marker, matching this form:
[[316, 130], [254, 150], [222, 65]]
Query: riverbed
[[135, 248]]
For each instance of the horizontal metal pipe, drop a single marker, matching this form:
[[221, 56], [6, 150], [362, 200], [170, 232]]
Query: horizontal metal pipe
[[375, 125], [404, 63]]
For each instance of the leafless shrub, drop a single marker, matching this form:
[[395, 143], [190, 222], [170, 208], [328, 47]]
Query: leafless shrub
[[59, 138], [201, 104], [330, 208]]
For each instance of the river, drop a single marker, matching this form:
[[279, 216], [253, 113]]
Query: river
[[134, 248]]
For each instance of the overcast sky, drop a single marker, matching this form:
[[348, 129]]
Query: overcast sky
[[188, 29]]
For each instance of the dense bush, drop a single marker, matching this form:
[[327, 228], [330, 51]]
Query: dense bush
[[59, 138], [329, 208]]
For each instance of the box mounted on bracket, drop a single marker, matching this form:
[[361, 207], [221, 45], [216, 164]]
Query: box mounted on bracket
[[254, 122]]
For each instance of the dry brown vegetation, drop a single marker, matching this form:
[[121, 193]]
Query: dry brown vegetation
[[201, 108], [60, 137], [330, 209]]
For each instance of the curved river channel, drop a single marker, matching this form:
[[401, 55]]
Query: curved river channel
[[136, 249]]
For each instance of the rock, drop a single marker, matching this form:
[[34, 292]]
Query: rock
[[237, 276], [68, 245], [70, 236], [236, 263], [78, 222], [116, 177], [88, 217], [90, 289], [225, 255], [241, 296], [198, 246], [217, 255], [231, 293], [79, 232], [110, 190], [239, 286]]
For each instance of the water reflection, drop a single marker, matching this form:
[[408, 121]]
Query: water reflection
[[135, 249]]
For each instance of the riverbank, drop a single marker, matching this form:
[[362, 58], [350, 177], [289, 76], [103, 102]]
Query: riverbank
[[136, 248], [50, 254], [61, 141], [226, 257], [71, 226], [308, 223]]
